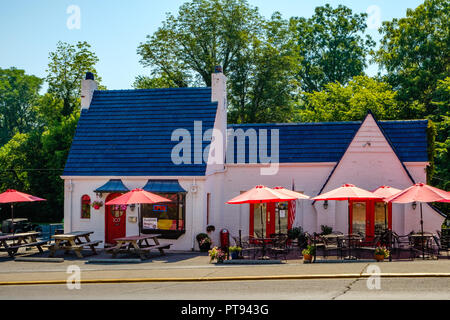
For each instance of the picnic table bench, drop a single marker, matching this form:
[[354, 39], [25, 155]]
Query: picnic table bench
[[13, 242], [138, 245], [73, 242]]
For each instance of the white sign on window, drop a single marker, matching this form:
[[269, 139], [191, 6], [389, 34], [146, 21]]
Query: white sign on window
[[282, 213], [149, 223]]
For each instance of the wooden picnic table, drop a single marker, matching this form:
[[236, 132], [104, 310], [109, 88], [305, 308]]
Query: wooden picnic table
[[73, 241], [138, 245], [12, 242]]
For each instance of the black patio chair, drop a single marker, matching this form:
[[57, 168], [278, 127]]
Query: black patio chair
[[332, 244], [443, 244], [250, 247], [402, 244], [279, 246]]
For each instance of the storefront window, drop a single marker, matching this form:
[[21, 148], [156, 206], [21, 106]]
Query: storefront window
[[85, 207], [167, 218]]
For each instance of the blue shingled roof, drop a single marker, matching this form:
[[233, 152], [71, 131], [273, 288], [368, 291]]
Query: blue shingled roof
[[128, 132], [327, 141]]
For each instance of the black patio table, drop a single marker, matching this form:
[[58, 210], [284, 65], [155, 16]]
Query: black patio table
[[263, 242], [351, 241]]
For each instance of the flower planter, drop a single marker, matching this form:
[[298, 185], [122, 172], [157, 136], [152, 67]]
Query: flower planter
[[307, 258], [379, 257], [96, 207]]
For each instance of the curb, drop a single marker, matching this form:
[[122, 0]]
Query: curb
[[241, 278]]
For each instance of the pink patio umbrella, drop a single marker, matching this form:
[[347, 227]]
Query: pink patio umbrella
[[288, 192], [347, 192], [137, 196], [420, 192], [12, 196], [261, 194]]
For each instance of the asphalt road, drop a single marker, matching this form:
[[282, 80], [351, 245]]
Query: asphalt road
[[325, 289]]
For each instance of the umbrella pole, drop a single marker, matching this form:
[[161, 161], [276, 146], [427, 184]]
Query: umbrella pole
[[279, 222], [12, 218], [262, 224], [139, 217], [389, 231], [421, 228]]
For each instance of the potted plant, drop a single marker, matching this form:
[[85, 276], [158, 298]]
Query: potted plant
[[97, 204], [234, 251], [381, 253], [217, 254], [297, 233], [308, 253], [204, 242]]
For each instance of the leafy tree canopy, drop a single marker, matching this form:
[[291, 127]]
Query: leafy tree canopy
[[18, 93], [351, 102], [415, 53], [332, 46]]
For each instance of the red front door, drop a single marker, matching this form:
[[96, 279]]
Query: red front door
[[115, 216], [370, 218], [274, 219]]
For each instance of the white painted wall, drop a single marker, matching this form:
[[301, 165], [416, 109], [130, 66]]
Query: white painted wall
[[87, 185]]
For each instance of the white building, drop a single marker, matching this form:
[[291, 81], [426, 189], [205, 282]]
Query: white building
[[160, 140]]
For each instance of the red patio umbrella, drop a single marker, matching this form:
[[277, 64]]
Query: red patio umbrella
[[288, 192], [420, 192], [261, 194], [137, 196], [12, 196], [347, 192]]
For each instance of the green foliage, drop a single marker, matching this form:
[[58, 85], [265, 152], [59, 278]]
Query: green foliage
[[415, 53], [310, 250], [144, 82], [326, 230], [332, 46], [18, 93], [67, 67], [350, 102], [257, 55]]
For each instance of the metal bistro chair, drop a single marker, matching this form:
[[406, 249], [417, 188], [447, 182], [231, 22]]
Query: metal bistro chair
[[279, 246], [442, 243], [250, 247], [332, 243], [402, 244]]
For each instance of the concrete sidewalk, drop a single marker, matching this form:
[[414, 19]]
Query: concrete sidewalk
[[196, 267]]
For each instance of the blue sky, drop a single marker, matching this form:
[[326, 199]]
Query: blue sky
[[30, 29]]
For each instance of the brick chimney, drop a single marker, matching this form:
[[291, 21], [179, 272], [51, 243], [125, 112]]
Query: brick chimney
[[88, 85]]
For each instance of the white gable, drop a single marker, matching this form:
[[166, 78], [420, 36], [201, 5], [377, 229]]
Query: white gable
[[370, 162]]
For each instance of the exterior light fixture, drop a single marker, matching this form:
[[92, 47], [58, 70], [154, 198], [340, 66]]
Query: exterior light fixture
[[414, 205], [325, 204], [98, 194], [132, 207]]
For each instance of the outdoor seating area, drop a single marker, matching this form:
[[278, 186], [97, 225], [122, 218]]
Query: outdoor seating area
[[339, 246]]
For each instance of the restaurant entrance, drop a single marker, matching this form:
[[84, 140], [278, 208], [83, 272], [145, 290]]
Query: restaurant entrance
[[274, 219], [370, 218]]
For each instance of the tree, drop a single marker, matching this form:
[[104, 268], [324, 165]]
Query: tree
[[415, 53], [204, 34], [67, 67], [18, 93], [441, 101], [332, 46], [144, 82], [255, 54], [262, 80], [350, 102]]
